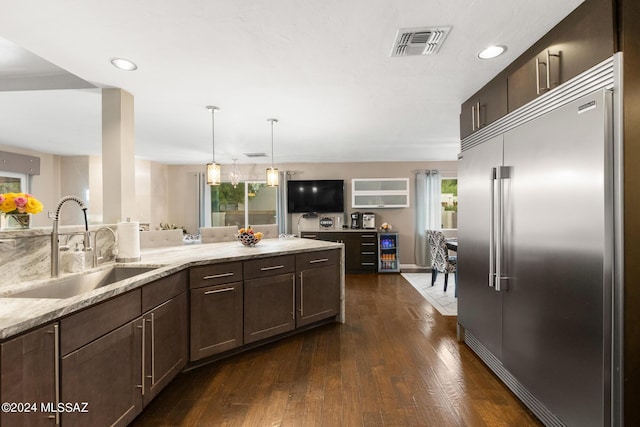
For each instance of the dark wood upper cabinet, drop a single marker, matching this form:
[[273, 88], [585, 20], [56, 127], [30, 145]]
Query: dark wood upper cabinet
[[583, 39], [485, 107]]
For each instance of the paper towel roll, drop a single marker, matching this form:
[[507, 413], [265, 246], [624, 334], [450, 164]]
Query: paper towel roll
[[128, 241]]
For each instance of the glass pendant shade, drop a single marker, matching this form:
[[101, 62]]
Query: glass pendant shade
[[234, 175], [272, 173], [213, 174], [272, 177]]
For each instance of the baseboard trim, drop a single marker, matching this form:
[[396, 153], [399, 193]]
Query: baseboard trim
[[414, 268], [535, 405]]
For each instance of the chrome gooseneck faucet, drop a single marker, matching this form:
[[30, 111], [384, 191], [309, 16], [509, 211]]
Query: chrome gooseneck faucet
[[55, 236], [96, 256]]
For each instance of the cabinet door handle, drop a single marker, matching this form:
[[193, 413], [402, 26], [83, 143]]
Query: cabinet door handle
[[217, 291], [274, 267], [473, 117], [478, 124], [141, 387], [301, 294], [315, 261], [539, 89], [293, 296], [217, 276], [153, 350], [56, 370]]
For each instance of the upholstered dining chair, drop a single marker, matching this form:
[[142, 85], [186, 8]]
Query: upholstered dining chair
[[218, 234], [440, 259], [269, 231], [160, 238]]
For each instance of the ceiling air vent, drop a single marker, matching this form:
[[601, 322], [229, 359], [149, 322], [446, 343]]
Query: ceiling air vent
[[419, 41], [254, 155]]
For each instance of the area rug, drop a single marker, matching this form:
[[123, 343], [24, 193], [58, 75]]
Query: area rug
[[443, 301]]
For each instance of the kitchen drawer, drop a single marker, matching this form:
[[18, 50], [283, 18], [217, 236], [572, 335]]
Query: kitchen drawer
[[215, 274], [83, 327], [366, 265], [264, 267], [369, 244], [316, 259], [155, 293]]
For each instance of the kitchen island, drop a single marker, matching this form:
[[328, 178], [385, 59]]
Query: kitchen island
[[21, 314], [117, 346]]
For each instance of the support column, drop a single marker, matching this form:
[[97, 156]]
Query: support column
[[118, 156]]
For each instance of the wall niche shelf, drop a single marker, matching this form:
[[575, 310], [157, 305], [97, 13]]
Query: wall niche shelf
[[380, 193]]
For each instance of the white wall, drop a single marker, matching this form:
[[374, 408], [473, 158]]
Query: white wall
[[46, 186]]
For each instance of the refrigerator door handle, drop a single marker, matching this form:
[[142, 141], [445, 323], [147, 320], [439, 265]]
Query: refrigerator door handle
[[503, 172], [492, 228]]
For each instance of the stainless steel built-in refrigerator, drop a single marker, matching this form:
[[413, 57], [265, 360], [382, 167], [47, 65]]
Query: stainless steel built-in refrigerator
[[536, 251]]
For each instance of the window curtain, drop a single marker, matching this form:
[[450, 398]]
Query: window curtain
[[203, 198], [428, 212], [281, 203]]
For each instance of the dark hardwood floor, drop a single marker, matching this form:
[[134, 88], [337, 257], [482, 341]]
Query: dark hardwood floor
[[395, 362]]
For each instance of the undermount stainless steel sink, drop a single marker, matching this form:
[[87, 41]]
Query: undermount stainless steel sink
[[77, 285]]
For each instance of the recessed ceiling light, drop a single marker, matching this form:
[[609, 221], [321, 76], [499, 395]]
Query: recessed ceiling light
[[124, 64], [491, 52]]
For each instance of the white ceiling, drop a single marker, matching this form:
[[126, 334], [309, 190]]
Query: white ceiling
[[322, 67]]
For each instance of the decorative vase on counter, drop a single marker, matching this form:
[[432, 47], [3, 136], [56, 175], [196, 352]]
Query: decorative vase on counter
[[9, 221]]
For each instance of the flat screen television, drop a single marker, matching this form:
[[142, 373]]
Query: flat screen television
[[320, 195]]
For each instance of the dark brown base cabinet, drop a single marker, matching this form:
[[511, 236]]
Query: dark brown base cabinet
[[317, 287], [166, 342], [107, 375], [216, 319], [360, 247], [28, 365], [269, 306], [113, 358], [216, 308], [119, 372]]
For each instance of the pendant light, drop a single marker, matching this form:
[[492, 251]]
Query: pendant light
[[234, 175], [272, 173], [213, 169]]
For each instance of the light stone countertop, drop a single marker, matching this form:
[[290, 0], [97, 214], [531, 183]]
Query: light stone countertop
[[20, 314]]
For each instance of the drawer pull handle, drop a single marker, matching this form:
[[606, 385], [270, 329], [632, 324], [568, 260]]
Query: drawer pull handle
[[275, 267], [217, 291], [368, 244], [368, 253], [315, 261], [217, 276], [368, 263], [310, 236], [368, 235]]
